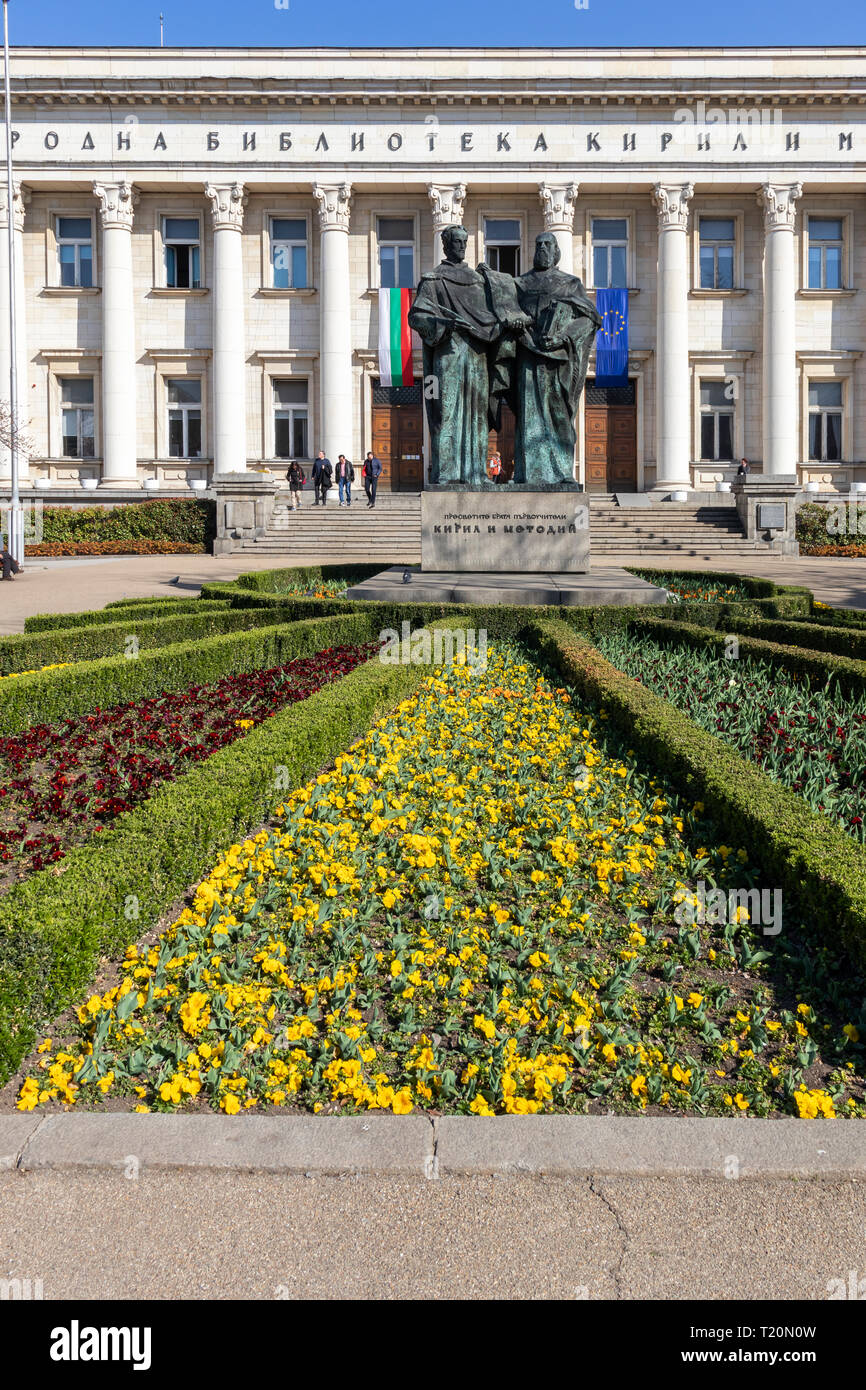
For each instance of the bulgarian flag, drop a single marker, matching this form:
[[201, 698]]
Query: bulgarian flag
[[395, 338]]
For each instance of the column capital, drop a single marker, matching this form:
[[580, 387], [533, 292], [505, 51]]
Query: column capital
[[334, 200], [447, 201], [779, 203], [557, 202], [227, 203], [20, 199], [672, 203], [116, 203]]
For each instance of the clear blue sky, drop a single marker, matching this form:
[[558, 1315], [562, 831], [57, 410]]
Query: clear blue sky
[[372, 23]]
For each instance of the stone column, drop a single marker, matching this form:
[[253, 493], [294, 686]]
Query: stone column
[[673, 396], [116, 209], [335, 320], [229, 439], [447, 201], [780, 410], [557, 201], [20, 198]]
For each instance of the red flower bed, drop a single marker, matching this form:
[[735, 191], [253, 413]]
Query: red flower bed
[[854, 551], [60, 783], [131, 547]]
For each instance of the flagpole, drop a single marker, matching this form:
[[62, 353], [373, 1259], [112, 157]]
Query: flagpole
[[16, 513]]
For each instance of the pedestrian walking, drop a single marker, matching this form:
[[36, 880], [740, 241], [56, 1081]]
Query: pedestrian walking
[[345, 479], [11, 566], [372, 474], [322, 473], [296, 478]]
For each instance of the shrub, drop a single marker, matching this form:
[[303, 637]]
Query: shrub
[[112, 613], [186, 519], [88, 685], [825, 528]]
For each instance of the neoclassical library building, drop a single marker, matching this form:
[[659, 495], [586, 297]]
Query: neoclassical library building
[[201, 237]]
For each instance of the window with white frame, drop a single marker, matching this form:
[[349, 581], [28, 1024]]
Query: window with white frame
[[290, 419], [74, 236], [76, 407], [502, 244], [610, 253], [289, 253], [184, 417], [181, 238], [396, 253], [718, 241], [825, 421], [826, 241], [717, 421]]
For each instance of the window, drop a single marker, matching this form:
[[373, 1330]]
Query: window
[[290, 419], [181, 239], [825, 253], [75, 251], [610, 253], [825, 421], [718, 242], [76, 404], [502, 244], [184, 418], [717, 421], [289, 252], [396, 253]]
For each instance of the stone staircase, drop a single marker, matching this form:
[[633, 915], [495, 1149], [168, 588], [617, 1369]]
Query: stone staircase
[[344, 535], [392, 533], [665, 529]]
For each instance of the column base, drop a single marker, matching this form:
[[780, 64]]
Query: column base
[[125, 483], [662, 489]]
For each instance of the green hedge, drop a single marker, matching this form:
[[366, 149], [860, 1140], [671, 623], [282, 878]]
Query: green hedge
[[821, 871], [814, 665], [56, 925], [814, 636], [766, 598], [273, 581], [49, 696], [836, 617], [167, 519], [28, 651], [141, 608]]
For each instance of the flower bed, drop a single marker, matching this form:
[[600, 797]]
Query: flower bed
[[474, 912], [683, 589], [61, 783], [812, 740]]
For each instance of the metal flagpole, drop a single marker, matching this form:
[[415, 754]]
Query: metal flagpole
[[16, 512]]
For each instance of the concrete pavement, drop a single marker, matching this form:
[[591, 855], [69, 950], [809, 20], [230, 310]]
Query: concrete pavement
[[73, 585], [181, 1235]]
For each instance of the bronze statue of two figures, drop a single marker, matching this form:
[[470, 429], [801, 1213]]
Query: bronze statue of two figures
[[490, 337]]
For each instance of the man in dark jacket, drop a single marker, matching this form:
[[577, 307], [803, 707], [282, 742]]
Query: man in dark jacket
[[321, 477], [345, 478], [372, 473]]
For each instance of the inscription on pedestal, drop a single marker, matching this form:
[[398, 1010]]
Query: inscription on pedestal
[[534, 532]]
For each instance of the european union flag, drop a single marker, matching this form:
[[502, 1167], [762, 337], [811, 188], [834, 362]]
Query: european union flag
[[611, 343]]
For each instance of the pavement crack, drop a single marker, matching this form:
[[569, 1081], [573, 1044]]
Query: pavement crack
[[616, 1271], [431, 1162], [19, 1157]]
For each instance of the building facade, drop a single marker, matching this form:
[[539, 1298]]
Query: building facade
[[200, 236]]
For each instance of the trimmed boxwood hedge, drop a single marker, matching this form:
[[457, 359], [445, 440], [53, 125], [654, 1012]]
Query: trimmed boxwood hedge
[[55, 926], [30, 650], [48, 696], [187, 519], [835, 617], [112, 613], [842, 641], [816, 666], [821, 871]]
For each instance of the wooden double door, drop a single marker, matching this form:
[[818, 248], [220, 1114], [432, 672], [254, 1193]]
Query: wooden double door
[[610, 437], [398, 436]]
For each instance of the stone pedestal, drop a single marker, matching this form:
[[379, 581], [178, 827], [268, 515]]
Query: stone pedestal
[[495, 529], [244, 504], [768, 512]]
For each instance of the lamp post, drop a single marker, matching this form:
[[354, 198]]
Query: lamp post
[[15, 537]]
